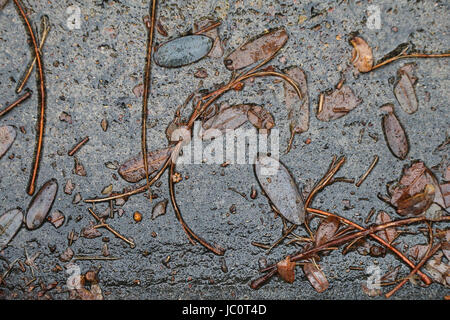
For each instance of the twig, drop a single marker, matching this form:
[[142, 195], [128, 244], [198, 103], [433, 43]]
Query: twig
[[369, 170], [413, 55], [44, 32], [210, 27], [41, 122], [107, 226], [21, 99], [147, 81], [78, 146], [215, 249]]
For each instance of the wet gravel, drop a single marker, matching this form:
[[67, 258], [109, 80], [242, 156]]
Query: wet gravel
[[90, 74]]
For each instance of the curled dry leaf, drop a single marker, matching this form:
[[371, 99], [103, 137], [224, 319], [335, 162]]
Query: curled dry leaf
[[362, 57], [7, 137], [256, 50], [298, 110], [316, 277], [394, 133], [133, 169], [10, 223], [159, 209], [182, 51], [388, 234], [416, 190], [41, 204], [337, 104], [404, 89], [260, 117], [280, 188], [228, 118], [326, 230], [286, 269]]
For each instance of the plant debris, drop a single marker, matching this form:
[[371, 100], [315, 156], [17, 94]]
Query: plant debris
[[394, 133], [404, 88], [7, 137], [41, 204], [337, 104], [10, 223]]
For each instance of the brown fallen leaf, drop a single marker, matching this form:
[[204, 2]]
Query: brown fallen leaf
[[388, 234], [439, 270], [411, 192], [418, 251], [7, 137], [90, 232], [337, 104], [132, 170], [79, 168], [280, 188], [286, 269], [256, 50], [159, 209], [57, 218], [260, 117], [404, 89], [217, 49], [228, 118], [326, 230], [41, 204], [362, 57], [316, 277], [445, 188], [394, 133]]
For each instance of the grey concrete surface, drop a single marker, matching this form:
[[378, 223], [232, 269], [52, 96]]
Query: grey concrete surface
[[90, 73]]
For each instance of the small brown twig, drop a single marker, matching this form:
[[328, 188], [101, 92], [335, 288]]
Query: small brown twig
[[369, 170], [21, 99], [78, 146], [209, 27], [108, 227], [412, 55]]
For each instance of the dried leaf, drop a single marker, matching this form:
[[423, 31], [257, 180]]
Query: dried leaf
[[64, 116], [69, 187], [388, 234], [394, 133], [104, 124], [286, 270], [67, 255], [7, 137], [316, 277], [159, 209], [182, 51], [228, 118], [41, 204], [362, 57], [79, 168], [390, 276], [256, 50], [438, 270], [411, 195], [326, 230], [57, 218], [161, 29], [90, 232], [298, 110], [10, 223], [260, 117], [133, 169], [404, 90], [445, 188], [337, 104], [280, 188]]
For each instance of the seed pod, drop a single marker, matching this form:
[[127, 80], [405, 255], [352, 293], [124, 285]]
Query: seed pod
[[286, 270], [7, 137], [133, 169], [159, 209], [259, 49], [41, 204], [394, 133], [183, 51], [280, 188], [10, 223]]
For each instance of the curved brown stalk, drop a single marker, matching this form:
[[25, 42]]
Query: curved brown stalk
[[147, 81], [215, 249], [41, 122], [208, 28], [423, 276], [135, 191], [412, 55]]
